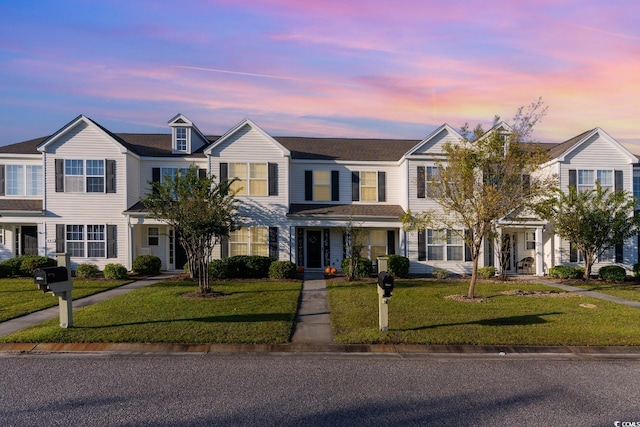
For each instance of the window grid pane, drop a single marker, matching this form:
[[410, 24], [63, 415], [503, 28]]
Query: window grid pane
[[15, 180], [34, 180], [368, 186], [239, 171]]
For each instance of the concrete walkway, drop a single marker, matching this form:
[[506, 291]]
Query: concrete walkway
[[313, 323], [14, 325], [592, 294]]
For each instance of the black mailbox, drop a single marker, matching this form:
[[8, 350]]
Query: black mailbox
[[385, 282], [43, 277]]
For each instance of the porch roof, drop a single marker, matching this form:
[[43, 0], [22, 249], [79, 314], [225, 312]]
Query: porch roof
[[345, 211], [20, 205]]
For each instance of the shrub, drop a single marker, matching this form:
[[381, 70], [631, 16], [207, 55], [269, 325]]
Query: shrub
[[487, 272], [440, 273], [147, 264], [28, 263], [363, 269], [115, 271], [5, 270], [398, 265], [87, 270], [636, 270], [566, 272], [241, 267], [283, 270], [612, 273], [13, 266]]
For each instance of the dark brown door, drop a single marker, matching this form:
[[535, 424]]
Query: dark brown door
[[29, 240]]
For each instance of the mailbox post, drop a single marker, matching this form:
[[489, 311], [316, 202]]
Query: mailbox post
[[57, 280], [385, 290]]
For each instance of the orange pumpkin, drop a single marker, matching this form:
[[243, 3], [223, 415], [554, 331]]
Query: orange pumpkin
[[327, 270], [334, 271], [300, 269]]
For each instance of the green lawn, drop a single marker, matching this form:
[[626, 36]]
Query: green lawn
[[249, 312], [626, 290], [419, 313], [21, 296]]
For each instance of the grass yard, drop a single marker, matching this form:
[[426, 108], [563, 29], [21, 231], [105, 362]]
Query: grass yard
[[21, 296], [628, 290], [419, 313], [249, 312]]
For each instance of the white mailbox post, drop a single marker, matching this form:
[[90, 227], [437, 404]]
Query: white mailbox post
[[57, 280], [385, 288]]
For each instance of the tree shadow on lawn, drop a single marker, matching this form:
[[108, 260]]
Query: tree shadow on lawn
[[524, 320], [232, 318]]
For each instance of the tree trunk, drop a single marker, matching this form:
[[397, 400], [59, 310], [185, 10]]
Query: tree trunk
[[587, 268], [474, 277]]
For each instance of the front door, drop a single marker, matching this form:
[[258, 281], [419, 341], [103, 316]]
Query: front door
[[29, 240], [314, 249]]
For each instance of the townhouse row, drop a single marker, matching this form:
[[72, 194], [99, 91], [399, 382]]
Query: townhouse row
[[79, 191]]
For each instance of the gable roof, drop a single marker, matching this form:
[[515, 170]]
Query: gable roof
[[561, 150], [431, 136], [243, 123]]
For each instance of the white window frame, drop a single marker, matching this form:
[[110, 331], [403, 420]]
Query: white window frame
[[182, 139], [371, 244], [153, 236], [586, 179], [86, 240], [254, 240], [320, 186], [431, 179], [23, 180], [76, 171], [371, 186], [529, 240], [446, 242]]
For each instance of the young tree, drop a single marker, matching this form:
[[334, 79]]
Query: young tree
[[483, 178], [200, 211], [593, 220], [354, 237]]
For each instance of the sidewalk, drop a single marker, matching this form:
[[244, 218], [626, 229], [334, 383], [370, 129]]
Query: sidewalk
[[313, 323]]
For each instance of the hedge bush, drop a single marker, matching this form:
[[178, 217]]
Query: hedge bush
[[636, 270], [283, 270], [612, 273], [566, 272], [487, 272], [440, 273], [12, 265], [87, 270], [398, 265], [147, 264], [5, 270], [28, 263], [241, 267], [115, 271], [363, 269]]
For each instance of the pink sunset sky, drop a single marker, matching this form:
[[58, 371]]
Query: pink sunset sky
[[345, 68]]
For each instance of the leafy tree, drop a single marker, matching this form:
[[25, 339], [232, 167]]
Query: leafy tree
[[483, 178], [200, 211], [594, 220], [355, 241]]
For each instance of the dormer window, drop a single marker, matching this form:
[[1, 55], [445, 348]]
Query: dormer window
[[181, 142]]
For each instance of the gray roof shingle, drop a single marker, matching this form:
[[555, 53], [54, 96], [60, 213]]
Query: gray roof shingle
[[346, 211]]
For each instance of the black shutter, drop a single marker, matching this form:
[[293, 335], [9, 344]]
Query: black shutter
[[224, 247], [308, 185], [202, 173], [467, 248], [112, 241], [224, 172], [335, 186], [619, 183], [155, 177], [355, 186], [59, 175], [422, 245], [273, 242], [273, 179], [382, 186], [573, 253], [421, 182], [60, 238], [391, 242], [619, 252], [573, 178], [2, 193], [111, 176]]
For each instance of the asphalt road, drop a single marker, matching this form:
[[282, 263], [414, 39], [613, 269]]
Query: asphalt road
[[256, 389]]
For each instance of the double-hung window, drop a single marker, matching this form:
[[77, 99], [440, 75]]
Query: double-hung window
[[23, 180], [75, 240], [96, 241], [251, 178], [432, 180], [249, 241], [377, 244], [86, 239], [445, 243], [587, 179], [369, 186], [605, 178], [321, 185], [181, 139], [84, 176]]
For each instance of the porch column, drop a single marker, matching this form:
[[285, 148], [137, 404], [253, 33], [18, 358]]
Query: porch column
[[539, 252], [497, 251]]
